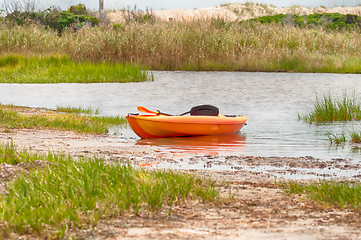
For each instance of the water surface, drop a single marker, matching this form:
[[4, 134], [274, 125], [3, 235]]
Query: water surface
[[271, 102]]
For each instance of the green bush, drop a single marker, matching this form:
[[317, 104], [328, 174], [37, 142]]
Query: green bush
[[75, 16]]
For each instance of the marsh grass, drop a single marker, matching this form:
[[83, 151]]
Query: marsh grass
[[213, 44], [69, 193], [60, 69], [330, 193], [10, 118], [328, 109]]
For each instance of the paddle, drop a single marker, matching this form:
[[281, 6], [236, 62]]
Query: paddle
[[145, 110]]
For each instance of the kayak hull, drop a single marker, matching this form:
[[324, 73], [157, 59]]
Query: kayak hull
[[157, 126]]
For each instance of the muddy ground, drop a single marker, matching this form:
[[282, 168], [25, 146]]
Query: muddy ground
[[260, 209]]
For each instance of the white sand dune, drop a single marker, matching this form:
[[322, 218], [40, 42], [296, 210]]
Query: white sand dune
[[232, 12]]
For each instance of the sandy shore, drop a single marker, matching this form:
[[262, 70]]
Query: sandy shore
[[260, 210]]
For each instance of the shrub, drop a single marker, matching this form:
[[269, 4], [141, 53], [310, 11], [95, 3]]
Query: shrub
[[75, 16]]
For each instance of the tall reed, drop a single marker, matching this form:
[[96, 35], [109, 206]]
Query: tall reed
[[212, 44]]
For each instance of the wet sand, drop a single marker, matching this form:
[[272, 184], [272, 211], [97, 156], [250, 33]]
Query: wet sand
[[260, 209]]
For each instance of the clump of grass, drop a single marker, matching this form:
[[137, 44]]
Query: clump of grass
[[10, 119], [355, 136], [73, 193], [329, 193], [60, 69], [328, 109]]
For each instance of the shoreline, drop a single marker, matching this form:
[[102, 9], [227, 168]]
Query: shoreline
[[114, 148], [261, 209]]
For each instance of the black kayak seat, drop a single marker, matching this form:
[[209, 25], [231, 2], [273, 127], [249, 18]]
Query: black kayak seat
[[203, 110]]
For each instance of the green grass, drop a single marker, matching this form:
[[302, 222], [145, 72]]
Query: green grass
[[329, 109], [68, 193], [60, 69], [10, 118], [328, 193]]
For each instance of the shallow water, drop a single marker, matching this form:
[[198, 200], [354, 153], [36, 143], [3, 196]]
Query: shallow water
[[271, 102]]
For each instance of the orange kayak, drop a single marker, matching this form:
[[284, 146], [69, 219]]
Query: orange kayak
[[156, 126]]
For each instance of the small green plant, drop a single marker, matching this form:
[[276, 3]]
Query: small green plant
[[355, 136], [337, 139]]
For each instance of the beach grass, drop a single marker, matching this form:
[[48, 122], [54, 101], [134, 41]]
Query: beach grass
[[60, 69], [343, 195], [72, 193], [212, 44], [329, 109], [12, 118]]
